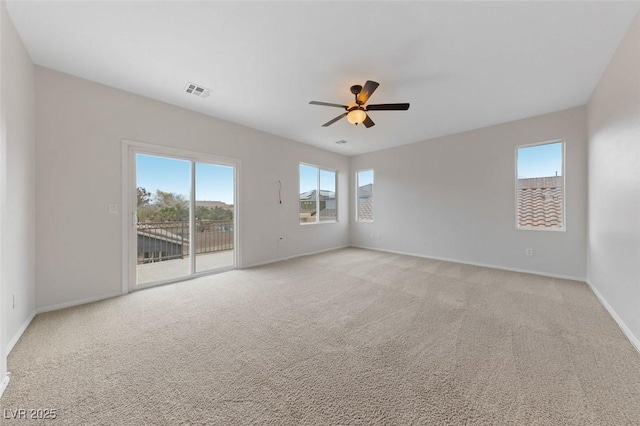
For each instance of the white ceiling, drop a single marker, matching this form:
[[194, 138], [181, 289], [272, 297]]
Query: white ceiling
[[460, 65]]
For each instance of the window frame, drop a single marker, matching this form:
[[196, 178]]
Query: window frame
[[357, 207], [563, 143], [317, 200]]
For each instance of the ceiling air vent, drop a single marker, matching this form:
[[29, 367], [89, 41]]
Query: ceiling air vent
[[199, 91]]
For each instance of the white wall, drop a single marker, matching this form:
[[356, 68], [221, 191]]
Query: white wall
[[79, 128], [18, 200], [453, 197], [614, 184]]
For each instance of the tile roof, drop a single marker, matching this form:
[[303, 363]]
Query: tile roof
[[365, 202], [365, 209], [540, 202]]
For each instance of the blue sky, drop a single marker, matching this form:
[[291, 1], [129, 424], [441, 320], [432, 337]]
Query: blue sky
[[540, 160], [309, 179], [365, 177], [213, 183]]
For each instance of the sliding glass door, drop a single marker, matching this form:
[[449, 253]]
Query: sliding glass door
[[184, 219]]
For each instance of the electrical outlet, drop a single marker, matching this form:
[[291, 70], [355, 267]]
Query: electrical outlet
[[528, 251], [113, 209]]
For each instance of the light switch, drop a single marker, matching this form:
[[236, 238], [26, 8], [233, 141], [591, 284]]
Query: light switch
[[113, 209]]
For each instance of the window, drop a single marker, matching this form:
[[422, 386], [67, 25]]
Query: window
[[364, 207], [318, 202], [540, 186]]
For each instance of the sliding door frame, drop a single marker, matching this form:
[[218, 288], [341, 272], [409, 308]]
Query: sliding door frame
[[129, 207]]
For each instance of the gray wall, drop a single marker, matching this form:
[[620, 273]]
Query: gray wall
[[18, 186], [614, 184], [454, 197]]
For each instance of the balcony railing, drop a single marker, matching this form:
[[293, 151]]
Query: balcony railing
[[160, 241]]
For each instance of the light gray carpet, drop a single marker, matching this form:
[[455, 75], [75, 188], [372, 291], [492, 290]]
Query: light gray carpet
[[345, 337]]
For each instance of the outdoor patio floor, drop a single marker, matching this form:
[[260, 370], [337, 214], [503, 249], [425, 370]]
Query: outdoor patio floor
[[176, 268]]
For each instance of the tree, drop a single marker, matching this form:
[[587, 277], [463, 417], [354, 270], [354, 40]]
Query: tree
[[171, 207], [169, 199], [222, 214], [145, 208], [144, 197], [217, 213]]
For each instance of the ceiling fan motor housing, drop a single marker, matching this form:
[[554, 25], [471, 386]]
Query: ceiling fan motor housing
[[356, 89]]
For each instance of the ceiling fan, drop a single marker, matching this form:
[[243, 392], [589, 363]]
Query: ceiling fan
[[356, 112]]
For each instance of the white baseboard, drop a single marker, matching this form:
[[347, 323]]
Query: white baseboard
[[20, 332], [633, 339], [282, 259], [59, 306], [5, 382], [484, 265]]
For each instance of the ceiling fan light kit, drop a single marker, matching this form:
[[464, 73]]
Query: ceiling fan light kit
[[357, 112], [356, 116]]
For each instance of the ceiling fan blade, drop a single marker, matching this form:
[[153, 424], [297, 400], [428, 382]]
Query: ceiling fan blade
[[327, 104], [329, 123], [367, 91], [388, 107], [368, 122]]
